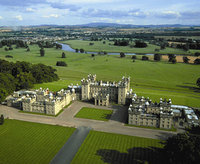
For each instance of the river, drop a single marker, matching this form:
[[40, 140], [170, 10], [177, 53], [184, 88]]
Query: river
[[66, 47]]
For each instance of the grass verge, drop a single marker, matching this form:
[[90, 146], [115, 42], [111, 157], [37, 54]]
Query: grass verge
[[95, 114], [26, 142]]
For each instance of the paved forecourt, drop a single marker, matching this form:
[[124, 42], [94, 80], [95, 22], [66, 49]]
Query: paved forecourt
[[66, 118]]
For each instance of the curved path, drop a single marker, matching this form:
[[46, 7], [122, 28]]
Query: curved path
[[66, 118]]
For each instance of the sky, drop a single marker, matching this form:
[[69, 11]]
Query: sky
[[73, 12]]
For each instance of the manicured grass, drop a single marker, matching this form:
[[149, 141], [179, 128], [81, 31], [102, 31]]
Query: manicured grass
[[95, 114], [149, 127], [99, 46], [25, 142], [100, 147], [148, 78]]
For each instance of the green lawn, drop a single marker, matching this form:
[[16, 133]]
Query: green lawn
[[100, 147], [109, 47], [25, 142], [95, 114], [148, 78]]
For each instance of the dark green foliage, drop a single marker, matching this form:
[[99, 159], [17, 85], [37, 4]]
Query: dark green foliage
[[22, 75], [63, 55], [58, 46], [197, 54], [133, 57], [121, 42], [61, 63], [28, 49], [81, 50], [122, 55], [76, 50], [6, 49], [42, 52], [182, 148], [140, 44], [92, 55], [171, 57], [145, 58], [9, 56], [104, 42], [157, 57], [3, 94], [197, 61], [91, 44], [133, 60], [186, 59], [198, 82], [174, 61], [1, 119]]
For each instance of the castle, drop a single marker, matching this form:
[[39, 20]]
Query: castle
[[141, 112]]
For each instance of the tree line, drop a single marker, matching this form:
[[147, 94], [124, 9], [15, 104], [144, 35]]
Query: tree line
[[23, 75]]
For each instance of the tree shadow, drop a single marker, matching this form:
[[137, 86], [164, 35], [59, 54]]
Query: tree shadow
[[136, 155], [195, 89]]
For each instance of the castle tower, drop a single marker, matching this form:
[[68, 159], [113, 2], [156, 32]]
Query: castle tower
[[123, 88], [85, 90]]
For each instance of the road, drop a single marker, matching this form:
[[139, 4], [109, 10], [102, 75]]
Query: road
[[66, 118]]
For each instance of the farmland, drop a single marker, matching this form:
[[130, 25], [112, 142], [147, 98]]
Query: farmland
[[100, 147], [25, 142], [109, 47], [93, 113], [148, 78]]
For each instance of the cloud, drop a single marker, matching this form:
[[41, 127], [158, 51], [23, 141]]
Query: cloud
[[51, 16], [29, 9], [21, 3], [65, 6], [1, 17], [112, 13], [19, 17]]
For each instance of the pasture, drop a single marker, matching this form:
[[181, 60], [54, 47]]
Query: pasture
[[94, 113], [26, 142], [109, 47], [148, 78], [100, 147]]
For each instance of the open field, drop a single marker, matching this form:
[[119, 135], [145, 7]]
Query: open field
[[148, 78], [25, 142], [100, 147], [180, 58], [99, 46], [95, 114]]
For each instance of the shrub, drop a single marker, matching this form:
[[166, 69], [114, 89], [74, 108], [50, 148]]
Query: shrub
[[174, 61], [92, 55], [9, 56], [197, 54], [133, 57], [91, 44], [186, 59], [122, 55], [63, 55], [61, 63], [1, 119], [133, 60], [145, 58], [197, 61], [157, 57], [81, 50]]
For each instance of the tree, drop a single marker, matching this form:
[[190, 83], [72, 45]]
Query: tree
[[197, 54], [42, 52], [186, 59], [198, 82], [197, 61], [1, 119], [63, 55], [145, 58], [61, 63], [133, 57], [182, 148], [157, 57], [174, 61], [3, 94], [122, 55], [81, 50], [140, 44], [76, 50], [171, 57], [92, 55]]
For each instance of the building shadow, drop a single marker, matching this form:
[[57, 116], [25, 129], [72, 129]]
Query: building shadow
[[136, 155], [194, 89], [120, 113]]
